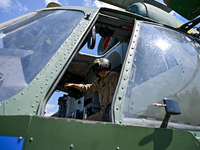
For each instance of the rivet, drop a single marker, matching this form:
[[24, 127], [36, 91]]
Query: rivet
[[37, 78], [34, 111], [7, 102], [46, 84], [41, 87], [51, 76], [15, 98], [37, 101], [118, 148], [71, 146], [32, 106], [22, 93], [46, 79], [120, 97], [31, 139], [41, 92], [20, 138], [117, 108], [36, 95], [49, 64], [18, 108], [120, 121]]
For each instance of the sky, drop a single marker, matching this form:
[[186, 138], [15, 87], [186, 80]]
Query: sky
[[10, 9]]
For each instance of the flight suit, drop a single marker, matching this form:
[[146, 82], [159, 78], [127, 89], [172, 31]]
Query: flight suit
[[106, 88]]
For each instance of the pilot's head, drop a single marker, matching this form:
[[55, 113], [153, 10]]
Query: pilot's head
[[100, 64]]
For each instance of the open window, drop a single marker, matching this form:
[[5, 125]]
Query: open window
[[112, 35]]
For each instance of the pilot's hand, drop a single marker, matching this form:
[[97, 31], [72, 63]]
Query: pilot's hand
[[68, 85]]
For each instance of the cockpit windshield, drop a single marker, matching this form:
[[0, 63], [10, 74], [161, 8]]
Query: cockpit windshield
[[166, 65], [27, 46]]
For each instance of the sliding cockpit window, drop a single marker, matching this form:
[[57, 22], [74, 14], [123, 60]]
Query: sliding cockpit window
[[27, 46]]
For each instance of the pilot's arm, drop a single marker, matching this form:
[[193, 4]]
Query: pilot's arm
[[88, 88]]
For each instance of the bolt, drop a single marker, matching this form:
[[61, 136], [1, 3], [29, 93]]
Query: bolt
[[71, 146], [20, 138], [31, 139]]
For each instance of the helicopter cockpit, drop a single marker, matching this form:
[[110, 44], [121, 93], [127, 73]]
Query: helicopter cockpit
[[80, 105], [154, 61]]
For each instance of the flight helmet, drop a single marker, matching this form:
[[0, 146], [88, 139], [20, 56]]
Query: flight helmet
[[100, 64]]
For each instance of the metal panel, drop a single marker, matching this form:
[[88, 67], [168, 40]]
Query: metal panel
[[56, 133]]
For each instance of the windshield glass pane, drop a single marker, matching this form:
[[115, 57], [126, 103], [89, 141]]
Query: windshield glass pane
[[27, 46], [166, 65]]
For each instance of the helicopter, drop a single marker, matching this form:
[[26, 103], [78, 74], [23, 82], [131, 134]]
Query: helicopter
[[156, 100]]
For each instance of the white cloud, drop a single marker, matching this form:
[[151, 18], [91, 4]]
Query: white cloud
[[96, 3], [9, 6], [50, 106], [21, 7], [88, 3], [49, 114], [48, 1], [5, 4]]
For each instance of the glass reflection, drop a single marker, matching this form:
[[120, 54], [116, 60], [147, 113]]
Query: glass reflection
[[165, 65], [162, 44]]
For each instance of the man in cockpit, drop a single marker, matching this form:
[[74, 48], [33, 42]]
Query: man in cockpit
[[105, 85]]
